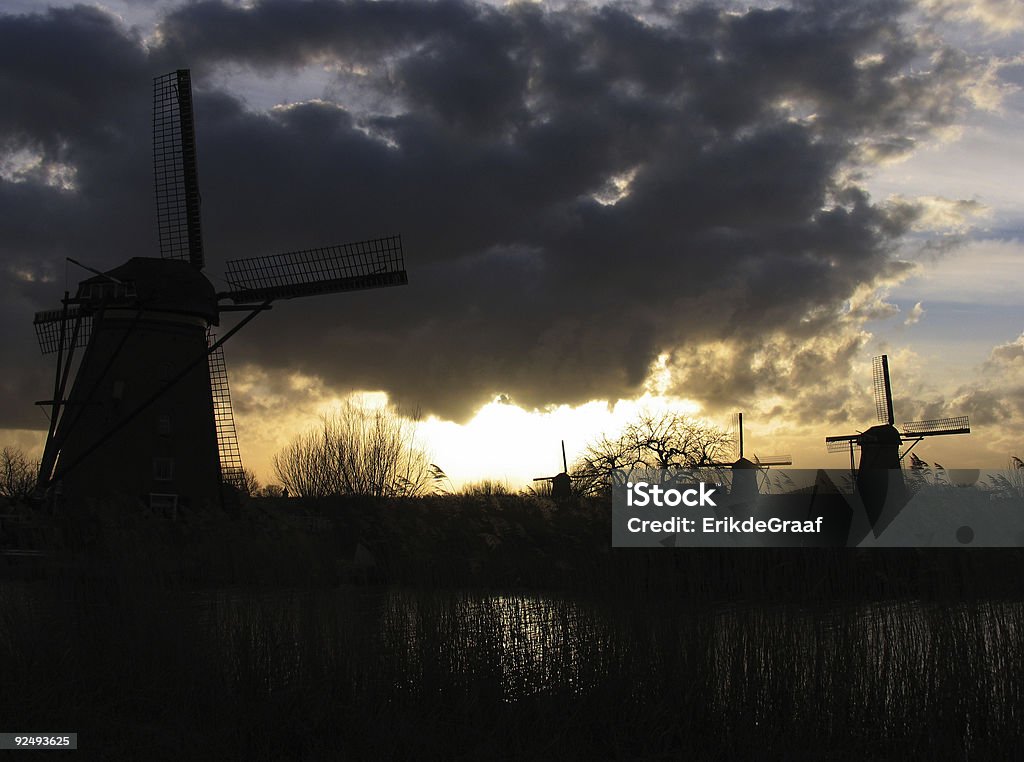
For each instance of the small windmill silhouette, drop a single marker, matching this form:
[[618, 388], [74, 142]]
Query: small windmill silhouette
[[880, 455], [148, 415], [561, 484], [744, 471]]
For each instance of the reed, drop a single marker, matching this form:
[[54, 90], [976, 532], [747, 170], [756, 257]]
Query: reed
[[507, 629], [365, 672]]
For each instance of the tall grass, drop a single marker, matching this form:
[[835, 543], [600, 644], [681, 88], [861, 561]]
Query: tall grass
[[512, 630], [399, 673]]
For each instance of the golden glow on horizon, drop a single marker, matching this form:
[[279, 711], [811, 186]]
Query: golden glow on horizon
[[506, 443]]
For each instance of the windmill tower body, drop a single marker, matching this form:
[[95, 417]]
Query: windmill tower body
[[744, 479], [139, 420], [879, 478]]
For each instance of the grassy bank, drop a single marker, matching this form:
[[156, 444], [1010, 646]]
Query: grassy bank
[[490, 542]]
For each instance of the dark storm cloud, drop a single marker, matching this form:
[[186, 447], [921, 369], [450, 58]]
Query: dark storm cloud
[[63, 76], [494, 129]]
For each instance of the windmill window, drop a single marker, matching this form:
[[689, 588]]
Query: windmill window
[[160, 501], [163, 426], [108, 290], [163, 469]]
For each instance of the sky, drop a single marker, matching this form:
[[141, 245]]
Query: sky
[[604, 208]]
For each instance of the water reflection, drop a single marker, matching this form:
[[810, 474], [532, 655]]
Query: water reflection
[[883, 662], [654, 675]]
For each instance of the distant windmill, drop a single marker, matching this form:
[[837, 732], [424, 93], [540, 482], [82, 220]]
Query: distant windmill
[[149, 414], [744, 472], [880, 445], [561, 484]]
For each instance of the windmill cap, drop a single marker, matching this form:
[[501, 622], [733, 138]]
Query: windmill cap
[[883, 434], [165, 285]]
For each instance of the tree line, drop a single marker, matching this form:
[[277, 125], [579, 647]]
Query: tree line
[[376, 451]]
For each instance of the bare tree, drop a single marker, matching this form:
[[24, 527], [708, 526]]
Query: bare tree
[[17, 474], [669, 439], [663, 440], [250, 484], [356, 450], [592, 473], [302, 466]]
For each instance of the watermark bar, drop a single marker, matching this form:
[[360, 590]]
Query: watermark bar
[[15, 741], [760, 507]]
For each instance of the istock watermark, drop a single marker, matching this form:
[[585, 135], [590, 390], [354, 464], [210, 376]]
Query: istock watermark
[[816, 508], [640, 494]]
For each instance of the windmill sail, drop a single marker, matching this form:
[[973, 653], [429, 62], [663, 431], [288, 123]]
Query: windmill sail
[[938, 426], [349, 267], [48, 327], [227, 436], [842, 444], [768, 460], [774, 460], [174, 169], [883, 390]]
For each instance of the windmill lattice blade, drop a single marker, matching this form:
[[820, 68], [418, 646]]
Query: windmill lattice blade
[[47, 325], [349, 267], [841, 444], [883, 390], [227, 436], [174, 169], [775, 460], [957, 425]]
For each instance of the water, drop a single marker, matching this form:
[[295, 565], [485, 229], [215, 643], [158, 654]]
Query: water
[[653, 677], [885, 655]]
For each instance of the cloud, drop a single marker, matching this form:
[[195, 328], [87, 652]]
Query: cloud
[[995, 402], [1008, 356], [580, 191], [996, 16], [980, 271], [915, 315], [936, 214]]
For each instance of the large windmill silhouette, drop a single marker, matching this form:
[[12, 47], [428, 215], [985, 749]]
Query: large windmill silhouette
[[148, 414], [879, 480], [744, 471]]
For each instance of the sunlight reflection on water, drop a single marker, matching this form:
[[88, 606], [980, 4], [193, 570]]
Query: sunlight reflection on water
[[891, 657]]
